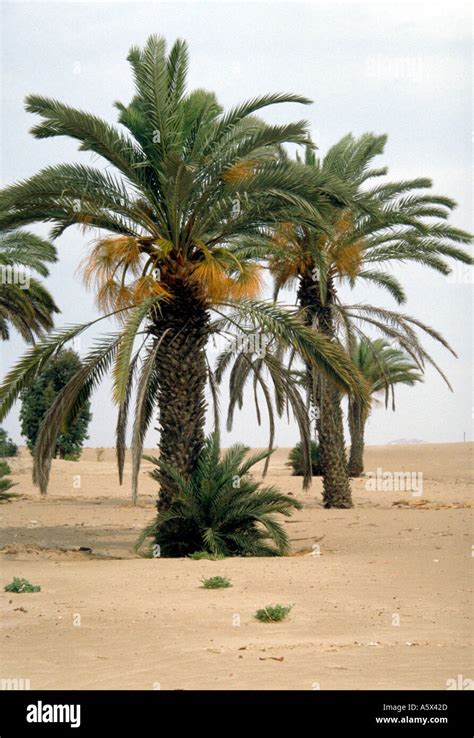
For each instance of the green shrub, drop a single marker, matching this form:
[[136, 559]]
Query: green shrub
[[6, 484], [21, 586], [295, 460], [221, 510], [216, 583], [200, 555], [7, 447], [36, 401], [273, 613]]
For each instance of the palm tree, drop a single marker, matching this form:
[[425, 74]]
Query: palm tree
[[220, 509], [389, 222], [184, 183], [24, 303], [383, 366]]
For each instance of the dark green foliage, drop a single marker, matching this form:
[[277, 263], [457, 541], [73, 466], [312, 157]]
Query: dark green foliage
[[221, 509], [6, 484], [295, 460], [7, 447], [21, 586], [216, 583], [273, 613], [37, 399]]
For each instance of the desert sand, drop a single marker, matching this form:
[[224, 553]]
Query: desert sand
[[380, 593]]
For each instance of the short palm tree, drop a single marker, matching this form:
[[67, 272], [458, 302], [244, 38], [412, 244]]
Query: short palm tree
[[6, 484], [389, 222], [25, 304], [384, 367], [220, 509], [185, 183]]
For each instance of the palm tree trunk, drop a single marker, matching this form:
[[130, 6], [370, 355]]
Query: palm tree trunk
[[326, 398], [181, 367], [357, 428]]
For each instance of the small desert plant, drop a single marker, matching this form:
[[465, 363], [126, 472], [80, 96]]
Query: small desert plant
[[5, 483], [220, 510], [99, 454], [295, 460], [21, 586], [200, 555], [216, 583], [7, 447], [273, 613]]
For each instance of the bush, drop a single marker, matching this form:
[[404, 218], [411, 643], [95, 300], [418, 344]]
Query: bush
[[6, 484], [7, 447], [21, 586], [221, 510], [273, 613], [38, 397], [216, 583], [295, 460]]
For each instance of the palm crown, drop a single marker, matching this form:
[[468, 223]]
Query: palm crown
[[387, 222], [384, 366]]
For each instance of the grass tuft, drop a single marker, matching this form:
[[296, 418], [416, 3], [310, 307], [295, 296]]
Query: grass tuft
[[200, 555], [21, 586], [273, 613], [216, 583]]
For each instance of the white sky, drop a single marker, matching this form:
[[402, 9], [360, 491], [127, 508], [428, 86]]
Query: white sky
[[401, 69]]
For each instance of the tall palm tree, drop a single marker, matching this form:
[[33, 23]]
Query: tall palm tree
[[25, 303], [388, 222], [384, 367], [185, 183]]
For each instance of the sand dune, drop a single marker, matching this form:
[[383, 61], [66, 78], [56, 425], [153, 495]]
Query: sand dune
[[381, 593]]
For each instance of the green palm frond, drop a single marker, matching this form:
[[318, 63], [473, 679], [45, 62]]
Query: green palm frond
[[73, 395], [25, 303], [286, 326], [384, 366], [221, 510]]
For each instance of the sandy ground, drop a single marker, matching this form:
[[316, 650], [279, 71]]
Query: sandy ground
[[380, 593]]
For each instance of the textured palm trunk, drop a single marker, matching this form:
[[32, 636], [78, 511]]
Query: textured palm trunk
[[182, 375], [357, 421], [327, 399]]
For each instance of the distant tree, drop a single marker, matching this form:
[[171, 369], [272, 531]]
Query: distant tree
[[38, 398], [384, 367], [7, 447]]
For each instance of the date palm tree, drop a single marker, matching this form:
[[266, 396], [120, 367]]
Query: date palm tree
[[386, 223], [384, 367], [25, 304], [185, 182]]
